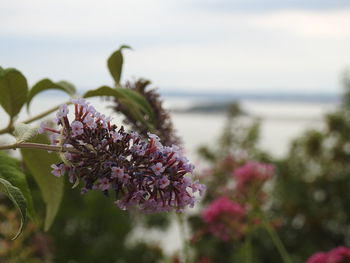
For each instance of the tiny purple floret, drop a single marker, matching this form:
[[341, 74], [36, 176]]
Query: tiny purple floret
[[77, 128]]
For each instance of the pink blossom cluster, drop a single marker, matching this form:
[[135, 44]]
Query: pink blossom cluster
[[252, 174], [336, 255], [141, 173], [225, 218]]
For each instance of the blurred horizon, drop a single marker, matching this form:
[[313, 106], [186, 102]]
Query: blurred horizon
[[232, 96]]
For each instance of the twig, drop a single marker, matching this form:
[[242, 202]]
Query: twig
[[183, 234], [41, 115], [38, 146], [9, 128], [276, 240]]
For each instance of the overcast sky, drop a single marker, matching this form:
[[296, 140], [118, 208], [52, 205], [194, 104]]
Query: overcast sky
[[247, 45]]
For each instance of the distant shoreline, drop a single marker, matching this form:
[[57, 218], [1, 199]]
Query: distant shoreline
[[235, 96], [333, 98]]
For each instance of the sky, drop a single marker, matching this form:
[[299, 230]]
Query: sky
[[185, 45]]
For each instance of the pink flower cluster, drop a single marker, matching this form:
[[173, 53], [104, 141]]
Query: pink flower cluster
[[141, 173], [252, 174], [336, 255], [225, 218]]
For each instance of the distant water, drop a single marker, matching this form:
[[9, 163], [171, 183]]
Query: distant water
[[281, 120], [257, 96]]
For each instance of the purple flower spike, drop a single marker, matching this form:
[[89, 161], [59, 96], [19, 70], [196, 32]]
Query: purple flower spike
[[42, 127], [77, 128], [163, 182], [158, 168], [58, 170], [116, 136], [62, 111], [141, 173], [117, 172], [102, 184]]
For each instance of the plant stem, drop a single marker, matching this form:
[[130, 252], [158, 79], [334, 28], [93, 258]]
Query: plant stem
[[248, 250], [41, 115], [10, 127], [5, 130], [185, 243], [276, 240], [38, 146]]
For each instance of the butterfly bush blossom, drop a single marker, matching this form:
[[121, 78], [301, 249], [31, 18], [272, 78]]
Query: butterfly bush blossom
[[225, 218], [336, 255], [252, 175], [141, 173]]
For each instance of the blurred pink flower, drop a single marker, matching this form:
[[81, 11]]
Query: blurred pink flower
[[252, 174], [336, 255], [319, 257], [225, 218]]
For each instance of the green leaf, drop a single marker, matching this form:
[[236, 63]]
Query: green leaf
[[38, 162], [136, 103], [10, 171], [18, 199], [13, 91], [141, 102], [115, 64], [104, 91], [69, 87], [23, 132], [47, 84]]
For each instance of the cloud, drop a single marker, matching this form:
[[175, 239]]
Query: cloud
[[309, 24], [78, 18], [177, 45], [229, 6], [106, 18]]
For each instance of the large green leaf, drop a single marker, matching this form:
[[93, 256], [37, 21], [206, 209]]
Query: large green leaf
[[10, 171], [135, 102], [115, 64], [14, 193], [47, 84], [13, 91], [104, 91], [38, 162], [140, 100]]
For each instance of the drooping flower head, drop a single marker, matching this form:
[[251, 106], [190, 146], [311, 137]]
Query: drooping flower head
[[163, 125], [336, 255], [225, 218], [141, 173], [252, 175]]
